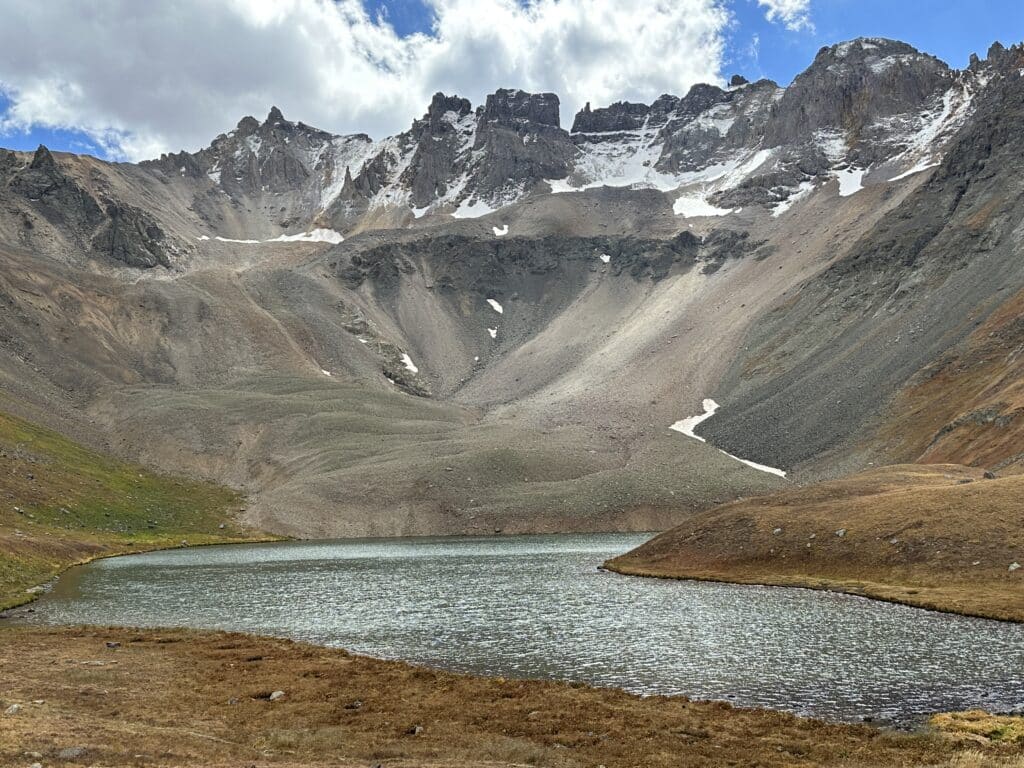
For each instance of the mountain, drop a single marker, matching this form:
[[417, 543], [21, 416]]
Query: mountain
[[489, 322]]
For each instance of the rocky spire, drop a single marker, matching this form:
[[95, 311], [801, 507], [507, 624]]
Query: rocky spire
[[43, 161]]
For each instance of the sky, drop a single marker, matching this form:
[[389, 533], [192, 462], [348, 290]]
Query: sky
[[125, 80]]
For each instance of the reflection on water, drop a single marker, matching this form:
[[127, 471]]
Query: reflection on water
[[536, 606]]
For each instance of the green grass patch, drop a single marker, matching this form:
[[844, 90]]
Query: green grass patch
[[62, 503]]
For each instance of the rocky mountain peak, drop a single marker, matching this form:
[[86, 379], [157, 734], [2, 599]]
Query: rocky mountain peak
[[1000, 58], [859, 104], [43, 177], [620, 116], [441, 104], [247, 126], [442, 116], [852, 84], [274, 117], [43, 161], [512, 106], [700, 98]]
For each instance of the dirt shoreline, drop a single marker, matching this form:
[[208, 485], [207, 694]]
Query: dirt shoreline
[[127, 697], [817, 583]]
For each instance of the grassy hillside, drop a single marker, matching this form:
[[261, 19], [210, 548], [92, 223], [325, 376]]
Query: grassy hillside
[[61, 503], [935, 536]]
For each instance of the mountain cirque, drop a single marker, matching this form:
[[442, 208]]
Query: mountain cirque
[[518, 313]]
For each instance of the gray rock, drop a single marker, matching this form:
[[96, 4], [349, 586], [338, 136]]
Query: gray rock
[[851, 84], [618, 117], [58, 197], [131, 236]]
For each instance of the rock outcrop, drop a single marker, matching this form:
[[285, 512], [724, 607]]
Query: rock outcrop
[[59, 197], [131, 236]]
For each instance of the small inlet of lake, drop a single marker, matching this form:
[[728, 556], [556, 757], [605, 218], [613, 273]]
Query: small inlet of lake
[[537, 606]]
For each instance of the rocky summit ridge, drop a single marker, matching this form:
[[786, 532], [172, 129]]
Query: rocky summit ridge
[[489, 321]]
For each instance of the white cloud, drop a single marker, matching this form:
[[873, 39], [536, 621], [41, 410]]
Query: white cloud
[[795, 14], [141, 78]]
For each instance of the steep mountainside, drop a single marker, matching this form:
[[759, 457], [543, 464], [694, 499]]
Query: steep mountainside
[[489, 322]]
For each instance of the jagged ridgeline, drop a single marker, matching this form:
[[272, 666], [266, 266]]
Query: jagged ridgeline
[[491, 322]]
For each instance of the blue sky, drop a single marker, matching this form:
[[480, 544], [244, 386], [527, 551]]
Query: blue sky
[[111, 118], [949, 29]]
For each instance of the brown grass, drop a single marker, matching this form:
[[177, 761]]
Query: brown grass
[[184, 698], [982, 727], [939, 537]]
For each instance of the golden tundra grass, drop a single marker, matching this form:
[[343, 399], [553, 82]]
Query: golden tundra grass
[[186, 698]]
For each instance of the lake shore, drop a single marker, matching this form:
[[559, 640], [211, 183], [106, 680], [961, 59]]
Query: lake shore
[[67, 504], [124, 697], [896, 534]]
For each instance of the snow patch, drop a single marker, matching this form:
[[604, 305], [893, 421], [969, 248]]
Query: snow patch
[[851, 181], [313, 236], [832, 144], [500, 231], [325, 372], [493, 332], [803, 190], [318, 235], [605, 258], [473, 210], [689, 424], [696, 206], [630, 161], [755, 465], [495, 306], [923, 165], [408, 363]]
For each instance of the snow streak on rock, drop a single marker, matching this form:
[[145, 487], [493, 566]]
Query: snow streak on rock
[[689, 424]]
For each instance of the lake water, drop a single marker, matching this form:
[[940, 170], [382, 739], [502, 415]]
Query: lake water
[[537, 606]]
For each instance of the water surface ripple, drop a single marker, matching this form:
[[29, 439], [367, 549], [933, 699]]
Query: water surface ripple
[[536, 606]]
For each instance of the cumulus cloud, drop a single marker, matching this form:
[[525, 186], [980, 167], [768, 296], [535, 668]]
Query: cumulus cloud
[[142, 78], [795, 14]]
